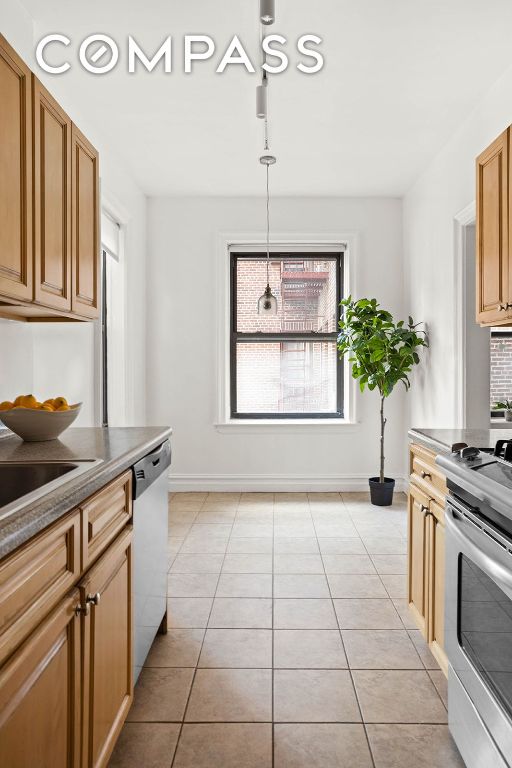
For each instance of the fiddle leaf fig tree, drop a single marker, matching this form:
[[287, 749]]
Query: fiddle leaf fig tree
[[382, 352]]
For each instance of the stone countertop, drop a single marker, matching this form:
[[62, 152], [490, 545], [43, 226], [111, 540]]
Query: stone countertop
[[442, 440], [117, 448]]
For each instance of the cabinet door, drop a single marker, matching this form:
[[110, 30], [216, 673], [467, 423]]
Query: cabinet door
[[52, 201], [436, 584], [418, 556], [85, 247], [492, 262], [40, 695], [108, 677], [15, 175]]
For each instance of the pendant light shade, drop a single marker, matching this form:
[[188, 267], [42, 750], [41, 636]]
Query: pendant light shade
[[261, 101], [267, 303], [267, 11]]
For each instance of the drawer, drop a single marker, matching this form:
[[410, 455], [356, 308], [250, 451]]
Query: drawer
[[104, 515], [35, 578], [426, 474]]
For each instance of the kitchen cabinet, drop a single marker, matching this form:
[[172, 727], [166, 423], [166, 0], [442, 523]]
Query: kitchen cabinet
[[16, 175], [493, 252], [86, 227], [426, 548], [66, 625], [40, 694], [52, 201], [49, 204], [106, 599]]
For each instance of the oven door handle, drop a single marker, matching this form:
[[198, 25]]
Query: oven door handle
[[455, 526]]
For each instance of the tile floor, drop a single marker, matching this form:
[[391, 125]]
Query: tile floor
[[290, 644]]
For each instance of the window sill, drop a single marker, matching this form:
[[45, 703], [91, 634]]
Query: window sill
[[259, 426]]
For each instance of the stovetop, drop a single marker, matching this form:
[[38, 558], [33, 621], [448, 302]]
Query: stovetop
[[482, 478]]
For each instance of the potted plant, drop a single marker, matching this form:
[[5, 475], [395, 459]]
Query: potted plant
[[382, 353], [506, 406]]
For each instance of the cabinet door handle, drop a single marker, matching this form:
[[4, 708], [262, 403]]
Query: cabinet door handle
[[93, 599], [424, 509], [82, 610], [426, 474]]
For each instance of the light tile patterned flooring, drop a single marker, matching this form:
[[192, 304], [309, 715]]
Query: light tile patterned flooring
[[290, 643]]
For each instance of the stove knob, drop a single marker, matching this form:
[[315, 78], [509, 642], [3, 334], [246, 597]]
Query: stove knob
[[469, 453]]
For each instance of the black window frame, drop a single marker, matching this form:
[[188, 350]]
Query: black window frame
[[283, 336], [498, 413]]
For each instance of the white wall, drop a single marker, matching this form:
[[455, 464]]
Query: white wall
[[125, 198], [181, 356], [445, 188]]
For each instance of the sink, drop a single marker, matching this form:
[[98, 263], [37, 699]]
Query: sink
[[24, 482]]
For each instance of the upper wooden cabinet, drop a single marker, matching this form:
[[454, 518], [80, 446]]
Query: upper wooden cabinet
[[15, 175], [49, 203], [52, 195], [86, 226], [493, 231]]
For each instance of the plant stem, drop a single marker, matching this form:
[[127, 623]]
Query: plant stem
[[382, 425]]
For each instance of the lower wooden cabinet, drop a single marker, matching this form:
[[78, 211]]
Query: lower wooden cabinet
[[418, 536], [40, 695], [426, 551], [106, 599], [66, 675]]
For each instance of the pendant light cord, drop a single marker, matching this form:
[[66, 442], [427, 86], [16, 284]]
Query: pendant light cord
[[268, 228]]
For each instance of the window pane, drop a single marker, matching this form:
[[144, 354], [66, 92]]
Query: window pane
[[305, 290], [286, 377]]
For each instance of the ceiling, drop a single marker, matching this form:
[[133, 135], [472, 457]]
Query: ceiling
[[400, 76]]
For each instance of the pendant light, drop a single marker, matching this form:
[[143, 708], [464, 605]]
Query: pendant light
[[267, 303], [267, 12]]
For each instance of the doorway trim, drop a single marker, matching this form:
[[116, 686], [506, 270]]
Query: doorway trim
[[465, 218]]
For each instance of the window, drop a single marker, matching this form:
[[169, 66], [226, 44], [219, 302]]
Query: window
[[286, 365], [501, 369]]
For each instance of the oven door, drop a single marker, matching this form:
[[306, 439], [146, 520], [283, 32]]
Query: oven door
[[479, 617]]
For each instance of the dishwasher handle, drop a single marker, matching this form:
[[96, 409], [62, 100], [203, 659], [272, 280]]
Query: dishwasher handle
[[149, 469]]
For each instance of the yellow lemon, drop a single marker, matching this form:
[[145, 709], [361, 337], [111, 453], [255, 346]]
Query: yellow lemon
[[6, 405], [29, 401], [60, 402], [63, 408], [47, 407]]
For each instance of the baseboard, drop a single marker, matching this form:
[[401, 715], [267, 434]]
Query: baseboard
[[273, 483]]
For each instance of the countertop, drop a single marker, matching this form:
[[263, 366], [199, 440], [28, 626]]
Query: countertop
[[442, 440], [117, 448]]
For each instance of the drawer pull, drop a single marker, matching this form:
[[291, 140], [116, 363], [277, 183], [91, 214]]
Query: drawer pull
[[426, 474], [424, 509], [93, 599], [82, 610]]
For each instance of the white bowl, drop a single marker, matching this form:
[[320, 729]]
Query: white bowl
[[33, 426]]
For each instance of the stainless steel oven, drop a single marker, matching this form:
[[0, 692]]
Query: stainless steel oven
[[478, 635]]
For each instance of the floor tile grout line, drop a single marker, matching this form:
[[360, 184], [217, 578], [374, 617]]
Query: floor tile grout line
[[348, 666], [197, 662]]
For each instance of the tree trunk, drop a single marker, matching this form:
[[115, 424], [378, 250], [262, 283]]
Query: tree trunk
[[382, 425]]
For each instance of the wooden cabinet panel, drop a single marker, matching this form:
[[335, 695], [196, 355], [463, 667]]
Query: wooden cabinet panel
[[492, 249], [85, 247], [15, 175], [35, 578], [40, 695], [52, 201], [104, 515], [108, 677], [436, 586], [418, 556], [426, 474]]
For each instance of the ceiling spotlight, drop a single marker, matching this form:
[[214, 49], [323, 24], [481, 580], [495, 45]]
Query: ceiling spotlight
[[267, 11]]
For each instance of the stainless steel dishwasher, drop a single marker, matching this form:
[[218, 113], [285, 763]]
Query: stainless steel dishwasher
[[150, 529]]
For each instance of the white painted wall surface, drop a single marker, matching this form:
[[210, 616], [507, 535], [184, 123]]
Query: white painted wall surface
[[183, 238], [445, 188], [122, 194]]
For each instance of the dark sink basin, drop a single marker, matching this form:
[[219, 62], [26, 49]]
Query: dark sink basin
[[22, 482], [16, 480]]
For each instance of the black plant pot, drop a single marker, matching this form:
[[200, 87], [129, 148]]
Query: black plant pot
[[381, 494]]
